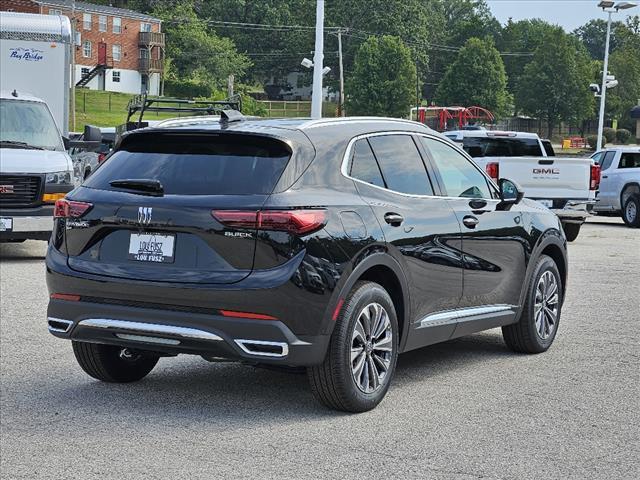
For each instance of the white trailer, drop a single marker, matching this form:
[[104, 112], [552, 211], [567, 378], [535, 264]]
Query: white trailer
[[35, 52]]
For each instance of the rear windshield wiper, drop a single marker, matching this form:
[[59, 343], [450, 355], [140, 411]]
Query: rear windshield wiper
[[142, 185], [15, 144]]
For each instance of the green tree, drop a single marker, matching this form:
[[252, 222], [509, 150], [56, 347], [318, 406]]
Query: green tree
[[624, 63], [520, 38], [477, 77], [554, 85], [383, 78], [194, 52], [593, 36], [466, 19]]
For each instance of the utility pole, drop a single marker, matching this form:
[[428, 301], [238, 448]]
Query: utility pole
[[316, 95], [341, 111], [603, 88], [417, 93], [230, 81], [73, 66]]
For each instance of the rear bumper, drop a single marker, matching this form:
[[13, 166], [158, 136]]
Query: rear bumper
[[301, 322], [574, 211], [28, 223], [173, 332]]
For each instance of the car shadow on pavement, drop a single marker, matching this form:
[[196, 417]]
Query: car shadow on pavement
[[22, 251], [193, 391]]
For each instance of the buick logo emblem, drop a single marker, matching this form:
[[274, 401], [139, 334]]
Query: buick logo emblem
[[144, 215]]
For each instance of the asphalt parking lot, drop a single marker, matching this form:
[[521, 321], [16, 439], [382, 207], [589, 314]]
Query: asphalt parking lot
[[467, 408]]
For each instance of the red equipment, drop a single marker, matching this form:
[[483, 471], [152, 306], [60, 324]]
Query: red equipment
[[461, 115]]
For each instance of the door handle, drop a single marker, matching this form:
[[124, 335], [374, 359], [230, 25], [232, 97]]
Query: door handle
[[393, 219], [605, 176], [470, 221]]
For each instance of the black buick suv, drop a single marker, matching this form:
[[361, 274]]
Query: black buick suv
[[331, 244]]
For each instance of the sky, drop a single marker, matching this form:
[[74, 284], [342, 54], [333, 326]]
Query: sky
[[569, 14]]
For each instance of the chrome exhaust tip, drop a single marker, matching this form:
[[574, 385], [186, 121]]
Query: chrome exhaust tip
[[59, 325], [263, 348]]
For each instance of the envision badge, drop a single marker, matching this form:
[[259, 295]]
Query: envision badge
[[144, 215]]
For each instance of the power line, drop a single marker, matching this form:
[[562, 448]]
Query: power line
[[351, 32]]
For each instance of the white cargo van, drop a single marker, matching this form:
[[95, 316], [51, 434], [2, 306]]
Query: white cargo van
[[35, 169]]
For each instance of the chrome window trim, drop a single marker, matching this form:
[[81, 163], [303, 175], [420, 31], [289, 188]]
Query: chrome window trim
[[351, 120], [453, 316], [347, 156], [152, 328]]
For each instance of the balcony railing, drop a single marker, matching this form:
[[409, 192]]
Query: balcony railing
[[150, 65], [149, 39]]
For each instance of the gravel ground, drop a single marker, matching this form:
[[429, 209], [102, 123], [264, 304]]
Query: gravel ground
[[468, 408]]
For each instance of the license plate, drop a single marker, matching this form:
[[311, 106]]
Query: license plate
[[546, 203], [148, 247], [6, 224]]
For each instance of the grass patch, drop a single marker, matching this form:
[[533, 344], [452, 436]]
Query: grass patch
[[109, 109]]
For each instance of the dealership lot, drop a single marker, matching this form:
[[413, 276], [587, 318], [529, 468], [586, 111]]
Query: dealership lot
[[467, 408]]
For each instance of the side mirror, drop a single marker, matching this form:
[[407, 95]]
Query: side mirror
[[66, 143], [510, 194], [92, 134]]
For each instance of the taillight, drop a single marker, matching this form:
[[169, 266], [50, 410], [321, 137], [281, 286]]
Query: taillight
[[493, 170], [298, 222], [101, 157], [251, 316], [69, 209], [595, 177], [65, 296]]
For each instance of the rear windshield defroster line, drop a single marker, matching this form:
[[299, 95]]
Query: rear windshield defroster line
[[222, 164]]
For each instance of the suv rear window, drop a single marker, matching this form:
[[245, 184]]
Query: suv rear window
[[501, 147], [226, 164]]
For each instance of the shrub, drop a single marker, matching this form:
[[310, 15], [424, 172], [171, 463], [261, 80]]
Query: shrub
[[622, 136], [592, 140], [609, 134], [186, 89]]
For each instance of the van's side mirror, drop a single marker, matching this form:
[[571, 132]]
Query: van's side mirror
[[510, 194]]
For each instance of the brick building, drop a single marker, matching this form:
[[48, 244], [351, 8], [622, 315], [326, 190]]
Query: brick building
[[116, 49]]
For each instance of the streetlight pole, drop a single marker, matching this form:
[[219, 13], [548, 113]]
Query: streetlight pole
[[609, 6], [603, 88], [316, 94]]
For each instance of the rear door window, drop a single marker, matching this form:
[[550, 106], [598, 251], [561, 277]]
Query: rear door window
[[630, 160], [364, 165], [401, 164], [197, 164]]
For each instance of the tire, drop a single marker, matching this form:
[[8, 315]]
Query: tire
[[631, 211], [109, 364], [571, 231], [335, 382], [530, 335]]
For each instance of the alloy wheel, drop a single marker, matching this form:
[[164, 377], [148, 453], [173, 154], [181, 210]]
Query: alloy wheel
[[546, 305], [631, 212], [371, 348]]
